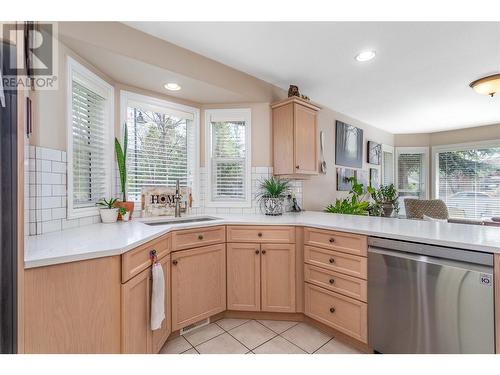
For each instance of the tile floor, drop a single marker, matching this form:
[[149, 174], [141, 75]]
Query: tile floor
[[240, 336]]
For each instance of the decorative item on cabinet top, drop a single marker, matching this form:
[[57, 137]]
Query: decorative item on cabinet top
[[159, 200]]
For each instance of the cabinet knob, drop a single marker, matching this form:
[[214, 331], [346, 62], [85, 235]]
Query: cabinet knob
[[332, 260], [263, 251], [332, 240], [332, 309], [332, 281], [200, 237], [259, 234], [256, 251], [174, 262], [297, 167]]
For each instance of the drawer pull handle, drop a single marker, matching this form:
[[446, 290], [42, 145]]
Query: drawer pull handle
[[200, 237], [256, 251], [259, 234], [263, 251], [174, 262], [332, 309], [332, 240], [332, 281], [332, 260]]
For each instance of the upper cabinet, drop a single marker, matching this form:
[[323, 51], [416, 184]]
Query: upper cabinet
[[294, 137]]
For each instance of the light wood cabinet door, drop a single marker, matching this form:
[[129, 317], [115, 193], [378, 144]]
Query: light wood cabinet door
[[305, 140], [198, 284], [160, 336], [243, 276], [136, 301], [278, 277]]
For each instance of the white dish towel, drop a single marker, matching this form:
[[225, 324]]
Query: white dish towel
[[157, 297]]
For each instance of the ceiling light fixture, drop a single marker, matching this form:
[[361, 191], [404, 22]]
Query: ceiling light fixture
[[365, 55], [172, 86], [489, 85]]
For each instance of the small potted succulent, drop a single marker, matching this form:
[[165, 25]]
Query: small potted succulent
[[125, 215], [385, 200], [121, 159], [107, 210], [273, 192]]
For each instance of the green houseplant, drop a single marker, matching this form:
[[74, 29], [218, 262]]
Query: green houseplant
[[108, 210], [353, 204], [273, 191], [121, 159], [385, 200]]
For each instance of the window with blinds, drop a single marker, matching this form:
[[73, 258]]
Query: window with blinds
[[161, 145], [387, 168], [229, 132], [411, 175], [89, 140], [468, 180]]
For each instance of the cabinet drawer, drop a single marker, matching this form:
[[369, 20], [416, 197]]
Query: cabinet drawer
[[339, 241], [336, 282], [138, 259], [261, 234], [345, 314], [189, 238], [351, 265]]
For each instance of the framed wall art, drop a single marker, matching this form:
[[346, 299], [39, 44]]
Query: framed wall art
[[348, 145]]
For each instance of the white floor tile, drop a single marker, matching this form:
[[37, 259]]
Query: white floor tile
[[278, 345], [278, 326], [176, 346], [203, 334], [223, 344], [336, 347], [306, 337], [228, 323], [252, 334]]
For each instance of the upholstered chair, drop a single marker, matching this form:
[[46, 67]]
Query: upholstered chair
[[434, 208]]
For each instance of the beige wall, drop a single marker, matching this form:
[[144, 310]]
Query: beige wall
[[321, 190]]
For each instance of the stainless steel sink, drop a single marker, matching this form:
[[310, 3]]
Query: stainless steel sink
[[181, 220]]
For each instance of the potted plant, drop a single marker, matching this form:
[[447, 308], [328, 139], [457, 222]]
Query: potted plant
[[353, 204], [108, 210], [121, 159], [125, 215], [272, 195], [385, 200]]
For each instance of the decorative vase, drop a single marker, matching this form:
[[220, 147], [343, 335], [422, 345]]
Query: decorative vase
[[273, 206], [128, 206], [388, 209], [109, 215]]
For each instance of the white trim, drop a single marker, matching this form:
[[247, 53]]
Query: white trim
[[455, 147], [230, 114], [389, 149], [414, 150], [128, 97], [92, 80]]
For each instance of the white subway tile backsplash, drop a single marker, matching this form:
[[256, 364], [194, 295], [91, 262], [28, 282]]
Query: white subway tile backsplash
[[51, 202], [50, 178], [58, 190], [58, 167], [45, 190], [44, 215], [59, 213], [49, 154], [51, 226], [45, 165]]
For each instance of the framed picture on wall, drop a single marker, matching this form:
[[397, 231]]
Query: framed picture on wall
[[374, 152], [342, 178], [362, 178], [348, 145], [374, 178]]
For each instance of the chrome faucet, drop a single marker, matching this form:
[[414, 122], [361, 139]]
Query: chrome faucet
[[177, 198]]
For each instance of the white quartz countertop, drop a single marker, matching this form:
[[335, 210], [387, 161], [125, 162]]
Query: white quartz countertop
[[100, 240]]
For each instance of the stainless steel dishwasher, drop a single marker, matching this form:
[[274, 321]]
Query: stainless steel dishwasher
[[429, 299]]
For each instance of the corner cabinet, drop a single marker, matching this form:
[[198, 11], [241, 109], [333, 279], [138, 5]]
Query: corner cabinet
[[295, 138]]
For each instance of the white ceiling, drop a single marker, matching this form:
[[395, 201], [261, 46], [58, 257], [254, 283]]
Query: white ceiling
[[417, 83]]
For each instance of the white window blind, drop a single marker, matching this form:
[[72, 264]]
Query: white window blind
[[387, 168], [161, 147], [411, 174], [90, 144], [468, 180]]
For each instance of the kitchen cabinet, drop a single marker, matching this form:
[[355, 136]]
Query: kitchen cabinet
[[198, 284], [261, 277], [295, 137], [137, 336]]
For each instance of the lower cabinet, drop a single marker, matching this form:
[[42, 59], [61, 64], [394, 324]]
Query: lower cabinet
[[137, 336], [261, 277], [198, 284]]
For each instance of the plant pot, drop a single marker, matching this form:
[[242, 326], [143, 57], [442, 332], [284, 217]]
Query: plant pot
[[128, 206], [387, 209], [273, 206], [109, 215], [125, 217]]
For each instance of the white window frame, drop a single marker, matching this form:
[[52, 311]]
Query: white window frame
[[451, 148], [103, 88], [390, 149], [127, 96], [231, 114], [414, 150]]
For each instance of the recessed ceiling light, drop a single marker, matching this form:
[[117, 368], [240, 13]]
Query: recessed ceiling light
[[365, 55], [172, 86]]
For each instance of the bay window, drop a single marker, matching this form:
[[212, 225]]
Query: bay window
[[412, 173]]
